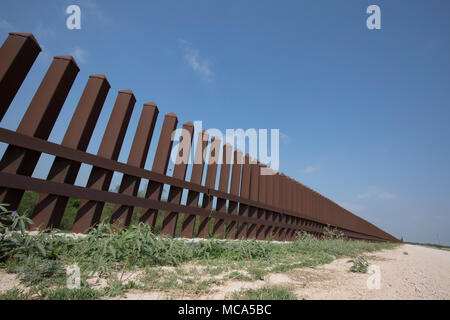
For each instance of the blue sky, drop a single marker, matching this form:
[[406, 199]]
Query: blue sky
[[364, 114]]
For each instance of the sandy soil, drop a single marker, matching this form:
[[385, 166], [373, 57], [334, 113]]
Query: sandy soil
[[422, 273], [408, 272]]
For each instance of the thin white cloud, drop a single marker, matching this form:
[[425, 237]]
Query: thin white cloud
[[200, 65], [79, 54], [387, 195], [353, 207], [285, 138], [43, 32], [376, 192], [6, 25], [96, 12], [311, 169], [365, 195]]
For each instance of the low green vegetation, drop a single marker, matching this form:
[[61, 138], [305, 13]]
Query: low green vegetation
[[14, 294], [360, 265], [265, 293], [63, 293], [110, 254]]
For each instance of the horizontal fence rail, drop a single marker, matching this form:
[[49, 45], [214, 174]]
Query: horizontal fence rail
[[246, 203]]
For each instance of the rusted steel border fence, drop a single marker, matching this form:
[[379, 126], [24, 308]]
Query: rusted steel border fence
[[248, 204]]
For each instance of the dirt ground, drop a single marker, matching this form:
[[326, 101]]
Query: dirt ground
[[407, 272]]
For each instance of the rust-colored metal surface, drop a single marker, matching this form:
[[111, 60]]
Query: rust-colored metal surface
[[38, 122], [244, 193], [254, 193], [261, 213], [210, 182], [179, 172], [187, 227], [276, 203], [89, 212], [283, 203], [224, 178], [49, 209], [17, 55], [138, 154], [231, 227], [268, 231], [246, 203], [160, 164]]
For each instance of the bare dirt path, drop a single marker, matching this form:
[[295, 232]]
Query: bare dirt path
[[408, 272]]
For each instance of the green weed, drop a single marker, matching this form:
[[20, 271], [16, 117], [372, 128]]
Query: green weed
[[37, 270], [63, 293], [360, 265], [265, 293], [14, 294]]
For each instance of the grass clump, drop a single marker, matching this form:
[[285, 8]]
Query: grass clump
[[360, 265], [37, 270], [265, 293], [236, 275], [63, 293], [14, 294]]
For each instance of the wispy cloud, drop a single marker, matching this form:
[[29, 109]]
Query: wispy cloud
[[311, 169], [353, 207], [376, 192], [387, 195], [6, 25], [200, 65], [97, 12], [43, 32], [285, 138], [79, 54]]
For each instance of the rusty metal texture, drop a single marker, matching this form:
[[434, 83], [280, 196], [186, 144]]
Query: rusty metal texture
[[179, 172], [49, 209], [231, 227], [254, 193], [276, 203], [224, 178], [283, 204], [160, 164], [204, 224], [261, 213], [245, 193], [17, 55], [187, 228], [38, 122], [268, 195], [89, 212], [22, 182], [290, 201], [8, 180], [31, 143], [293, 207], [129, 185]]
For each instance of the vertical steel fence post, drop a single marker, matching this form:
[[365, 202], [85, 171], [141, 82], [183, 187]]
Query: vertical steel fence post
[[17, 55]]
